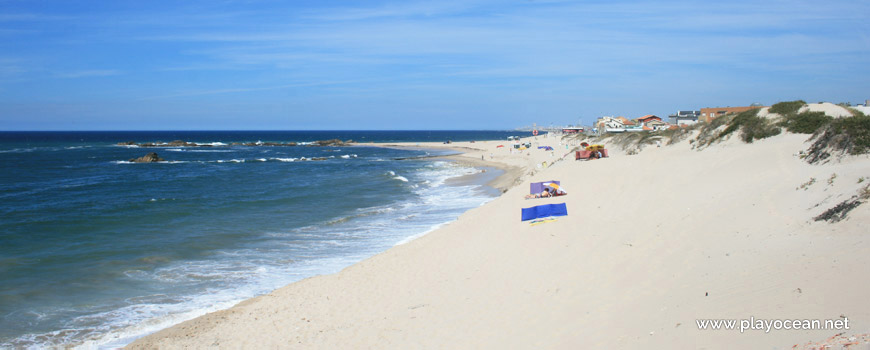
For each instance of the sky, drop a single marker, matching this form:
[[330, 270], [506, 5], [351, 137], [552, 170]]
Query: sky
[[362, 65]]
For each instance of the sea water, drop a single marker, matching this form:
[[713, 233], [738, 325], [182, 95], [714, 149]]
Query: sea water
[[96, 251]]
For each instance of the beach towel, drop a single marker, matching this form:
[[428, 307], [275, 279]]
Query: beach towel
[[543, 211], [538, 187], [537, 222]]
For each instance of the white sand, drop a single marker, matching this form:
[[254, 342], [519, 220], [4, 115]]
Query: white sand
[[828, 108], [862, 109], [652, 242]]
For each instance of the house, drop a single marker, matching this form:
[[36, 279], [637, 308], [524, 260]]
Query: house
[[656, 125], [648, 122], [610, 124], [626, 122], [647, 118], [684, 117], [708, 114]]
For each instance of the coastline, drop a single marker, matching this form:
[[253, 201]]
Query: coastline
[[283, 249], [634, 265], [467, 154], [482, 154]]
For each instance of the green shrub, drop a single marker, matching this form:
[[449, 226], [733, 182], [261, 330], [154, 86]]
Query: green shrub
[[849, 135], [757, 129], [806, 122], [739, 120], [858, 131], [678, 134], [751, 126], [787, 108]]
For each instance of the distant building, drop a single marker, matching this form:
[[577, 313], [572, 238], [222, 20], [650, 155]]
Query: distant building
[[610, 124], [708, 114], [572, 130], [656, 124], [649, 122], [684, 117], [647, 118], [625, 121]]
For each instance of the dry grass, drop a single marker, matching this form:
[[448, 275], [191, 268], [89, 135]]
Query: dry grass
[[840, 137]]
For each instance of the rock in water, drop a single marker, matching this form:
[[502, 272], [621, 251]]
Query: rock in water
[[148, 158], [333, 142]]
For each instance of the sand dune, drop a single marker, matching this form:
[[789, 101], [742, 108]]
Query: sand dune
[[652, 242]]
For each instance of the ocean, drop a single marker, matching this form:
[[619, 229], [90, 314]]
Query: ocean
[[96, 251]]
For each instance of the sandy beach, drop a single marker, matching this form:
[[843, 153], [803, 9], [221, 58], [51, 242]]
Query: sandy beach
[[652, 243]]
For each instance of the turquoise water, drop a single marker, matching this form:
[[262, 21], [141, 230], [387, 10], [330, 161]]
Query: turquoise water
[[96, 251]]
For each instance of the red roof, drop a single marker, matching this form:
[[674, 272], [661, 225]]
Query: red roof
[[648, 117], [625, 121]]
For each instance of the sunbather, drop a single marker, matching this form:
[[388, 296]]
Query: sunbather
[[550, 190], [543, 194]]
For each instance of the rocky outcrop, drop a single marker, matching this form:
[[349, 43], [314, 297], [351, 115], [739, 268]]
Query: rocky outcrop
[[148, 158], [176, 143], [333, 142], [267, 144], [180, 143]]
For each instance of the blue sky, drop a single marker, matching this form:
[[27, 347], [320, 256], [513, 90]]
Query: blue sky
[[298, 65]]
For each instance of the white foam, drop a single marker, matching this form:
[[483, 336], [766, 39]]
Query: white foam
[[243, 273], [215, 144]]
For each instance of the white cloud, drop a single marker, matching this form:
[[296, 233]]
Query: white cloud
[[523, 38]]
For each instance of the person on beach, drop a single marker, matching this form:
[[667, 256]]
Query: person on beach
[[543, 194], [550, 190]]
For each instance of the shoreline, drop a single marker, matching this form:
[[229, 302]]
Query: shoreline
[[481, 154], [633, 265], [501, 183], [511, 176], [507, 177]]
